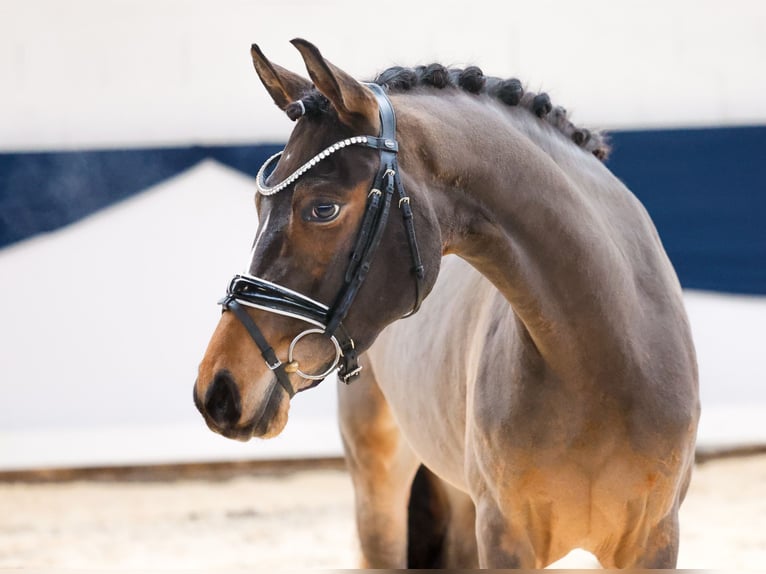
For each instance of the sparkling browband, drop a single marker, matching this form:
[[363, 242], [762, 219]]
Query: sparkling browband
[[260, 181]]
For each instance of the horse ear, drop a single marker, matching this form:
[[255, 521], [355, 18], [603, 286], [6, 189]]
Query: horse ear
[[353, 101], [283, 85]]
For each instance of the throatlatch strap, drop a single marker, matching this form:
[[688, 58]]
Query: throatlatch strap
[[266, 351], [409, 227]]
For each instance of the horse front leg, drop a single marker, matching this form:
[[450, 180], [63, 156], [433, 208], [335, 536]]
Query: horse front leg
[[460, 551], [646, 548], [501, 544], [661, 550], [382, 468], [644, 542]]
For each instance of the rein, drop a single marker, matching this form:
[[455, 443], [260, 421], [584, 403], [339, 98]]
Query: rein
[[250, 291]]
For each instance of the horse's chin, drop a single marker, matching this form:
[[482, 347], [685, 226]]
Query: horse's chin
[[268, 421], [273, 427], [241, 435]]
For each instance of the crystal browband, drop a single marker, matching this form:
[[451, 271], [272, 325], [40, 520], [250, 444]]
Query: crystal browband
[[263, 189], [268, 167]]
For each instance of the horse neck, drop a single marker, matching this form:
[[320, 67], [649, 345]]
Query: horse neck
[[537, 216]]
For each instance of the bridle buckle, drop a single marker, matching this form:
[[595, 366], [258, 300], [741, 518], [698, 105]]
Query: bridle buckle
[[275, 366], [346, 377]]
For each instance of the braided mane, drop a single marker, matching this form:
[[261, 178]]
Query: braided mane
[[471, 79]]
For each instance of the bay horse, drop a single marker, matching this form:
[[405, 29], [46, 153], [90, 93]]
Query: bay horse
[[569, 418]]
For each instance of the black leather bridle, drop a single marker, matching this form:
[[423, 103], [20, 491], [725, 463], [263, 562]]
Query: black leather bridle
[[249, 291]]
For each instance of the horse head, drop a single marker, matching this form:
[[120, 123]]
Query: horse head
[[329, 268]]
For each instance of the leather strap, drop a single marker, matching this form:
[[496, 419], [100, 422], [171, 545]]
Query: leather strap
[[376, 214], [276, 299], [409, 227], [267, 352]]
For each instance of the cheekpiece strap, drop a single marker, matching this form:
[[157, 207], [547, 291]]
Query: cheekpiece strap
[[376, 213]]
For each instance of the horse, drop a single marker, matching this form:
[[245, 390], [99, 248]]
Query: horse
[[572, 414]]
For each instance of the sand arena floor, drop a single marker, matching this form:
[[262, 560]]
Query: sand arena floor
[[299, 519]]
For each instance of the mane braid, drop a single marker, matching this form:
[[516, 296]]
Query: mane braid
[[399, 79], [510, 92]]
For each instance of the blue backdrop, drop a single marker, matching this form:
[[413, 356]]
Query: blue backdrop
[[704, 188]]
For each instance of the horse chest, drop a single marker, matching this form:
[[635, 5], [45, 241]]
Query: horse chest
[[430, 416]]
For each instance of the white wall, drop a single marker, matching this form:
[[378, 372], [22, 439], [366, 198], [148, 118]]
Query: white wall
[[103, 324], [85, 73]]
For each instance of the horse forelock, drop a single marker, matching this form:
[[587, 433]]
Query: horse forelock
[[399, 79]]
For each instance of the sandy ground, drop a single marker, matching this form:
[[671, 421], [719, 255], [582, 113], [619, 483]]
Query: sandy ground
[[300, 520]]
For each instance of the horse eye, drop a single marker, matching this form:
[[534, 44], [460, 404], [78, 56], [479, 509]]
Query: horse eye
[[324, 212]]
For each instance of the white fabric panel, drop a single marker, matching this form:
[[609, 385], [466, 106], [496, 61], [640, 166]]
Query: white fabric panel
[[105, 321], [111, 73]]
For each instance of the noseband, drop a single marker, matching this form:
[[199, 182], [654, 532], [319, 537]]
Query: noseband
[[250, 291]]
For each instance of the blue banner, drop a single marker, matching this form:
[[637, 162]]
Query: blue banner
[[704, 188]]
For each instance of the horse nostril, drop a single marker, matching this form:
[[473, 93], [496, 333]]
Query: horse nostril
[[222, 402]]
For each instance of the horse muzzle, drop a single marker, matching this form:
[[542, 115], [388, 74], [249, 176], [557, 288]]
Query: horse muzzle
[[221, 406]]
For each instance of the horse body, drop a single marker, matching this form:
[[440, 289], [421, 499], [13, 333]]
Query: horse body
[[585, 386], [562, 399], [428, 366], [563, 466]]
